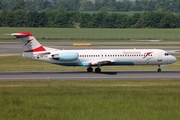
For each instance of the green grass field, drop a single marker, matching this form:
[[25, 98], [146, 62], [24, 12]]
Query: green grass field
[[82, 99], [18, 63], [85, 34], [90, 100]]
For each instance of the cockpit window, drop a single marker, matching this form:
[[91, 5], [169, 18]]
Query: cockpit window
[[166, 54]]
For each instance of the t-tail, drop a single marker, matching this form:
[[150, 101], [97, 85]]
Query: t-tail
[[28, 42]]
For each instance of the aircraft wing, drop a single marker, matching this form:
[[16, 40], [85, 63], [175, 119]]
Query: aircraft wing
[[101, 62]]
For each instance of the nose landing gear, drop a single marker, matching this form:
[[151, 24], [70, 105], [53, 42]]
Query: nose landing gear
[[159, 69]]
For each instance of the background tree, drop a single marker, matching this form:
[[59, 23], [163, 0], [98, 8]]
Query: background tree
[[85, 20], [20, 19], [152, 19], [68, 5], [103, 19], [168, 21], [1, 1], [32, 19], [30, 5], [19, 4], [62, 19], [86, 5], [136, 6], [7, 18], [98, 5]]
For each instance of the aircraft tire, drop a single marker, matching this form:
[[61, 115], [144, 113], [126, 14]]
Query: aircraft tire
[[97, 70], [89, 69], [159, 70]]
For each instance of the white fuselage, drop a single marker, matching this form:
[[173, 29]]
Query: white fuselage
[[113, 56]]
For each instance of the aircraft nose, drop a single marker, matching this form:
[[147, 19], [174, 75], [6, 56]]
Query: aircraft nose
[[172, 59]]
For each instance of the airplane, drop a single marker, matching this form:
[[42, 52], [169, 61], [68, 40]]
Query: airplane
[[89, 58]]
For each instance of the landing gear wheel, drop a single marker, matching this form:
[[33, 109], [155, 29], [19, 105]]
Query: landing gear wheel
[[159, 70], [97, 70], [89, 69]]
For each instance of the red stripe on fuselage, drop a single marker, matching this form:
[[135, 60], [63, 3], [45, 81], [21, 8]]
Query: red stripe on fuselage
[[39, 49]]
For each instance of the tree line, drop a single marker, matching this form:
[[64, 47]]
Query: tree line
[[89, 5], [65, 19]]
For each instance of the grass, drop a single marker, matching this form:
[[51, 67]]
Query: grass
[[18, 63], [87, 100], [86, 34]]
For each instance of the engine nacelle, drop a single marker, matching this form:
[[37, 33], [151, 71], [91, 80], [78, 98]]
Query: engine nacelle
[[67, 56]]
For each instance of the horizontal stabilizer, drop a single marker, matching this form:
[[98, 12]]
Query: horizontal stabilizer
[[21, 34]]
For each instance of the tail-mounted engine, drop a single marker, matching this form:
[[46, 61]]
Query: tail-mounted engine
[[67, 56]]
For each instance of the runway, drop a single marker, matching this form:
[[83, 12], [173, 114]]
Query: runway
[[82, 75]]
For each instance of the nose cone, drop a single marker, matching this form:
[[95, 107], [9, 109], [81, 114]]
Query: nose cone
[[172, 59]]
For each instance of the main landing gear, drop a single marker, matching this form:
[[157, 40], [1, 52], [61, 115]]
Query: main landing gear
[[90, 69], [97, 70], [159, 69]]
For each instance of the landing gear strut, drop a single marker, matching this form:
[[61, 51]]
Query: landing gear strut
[[159, 69]]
